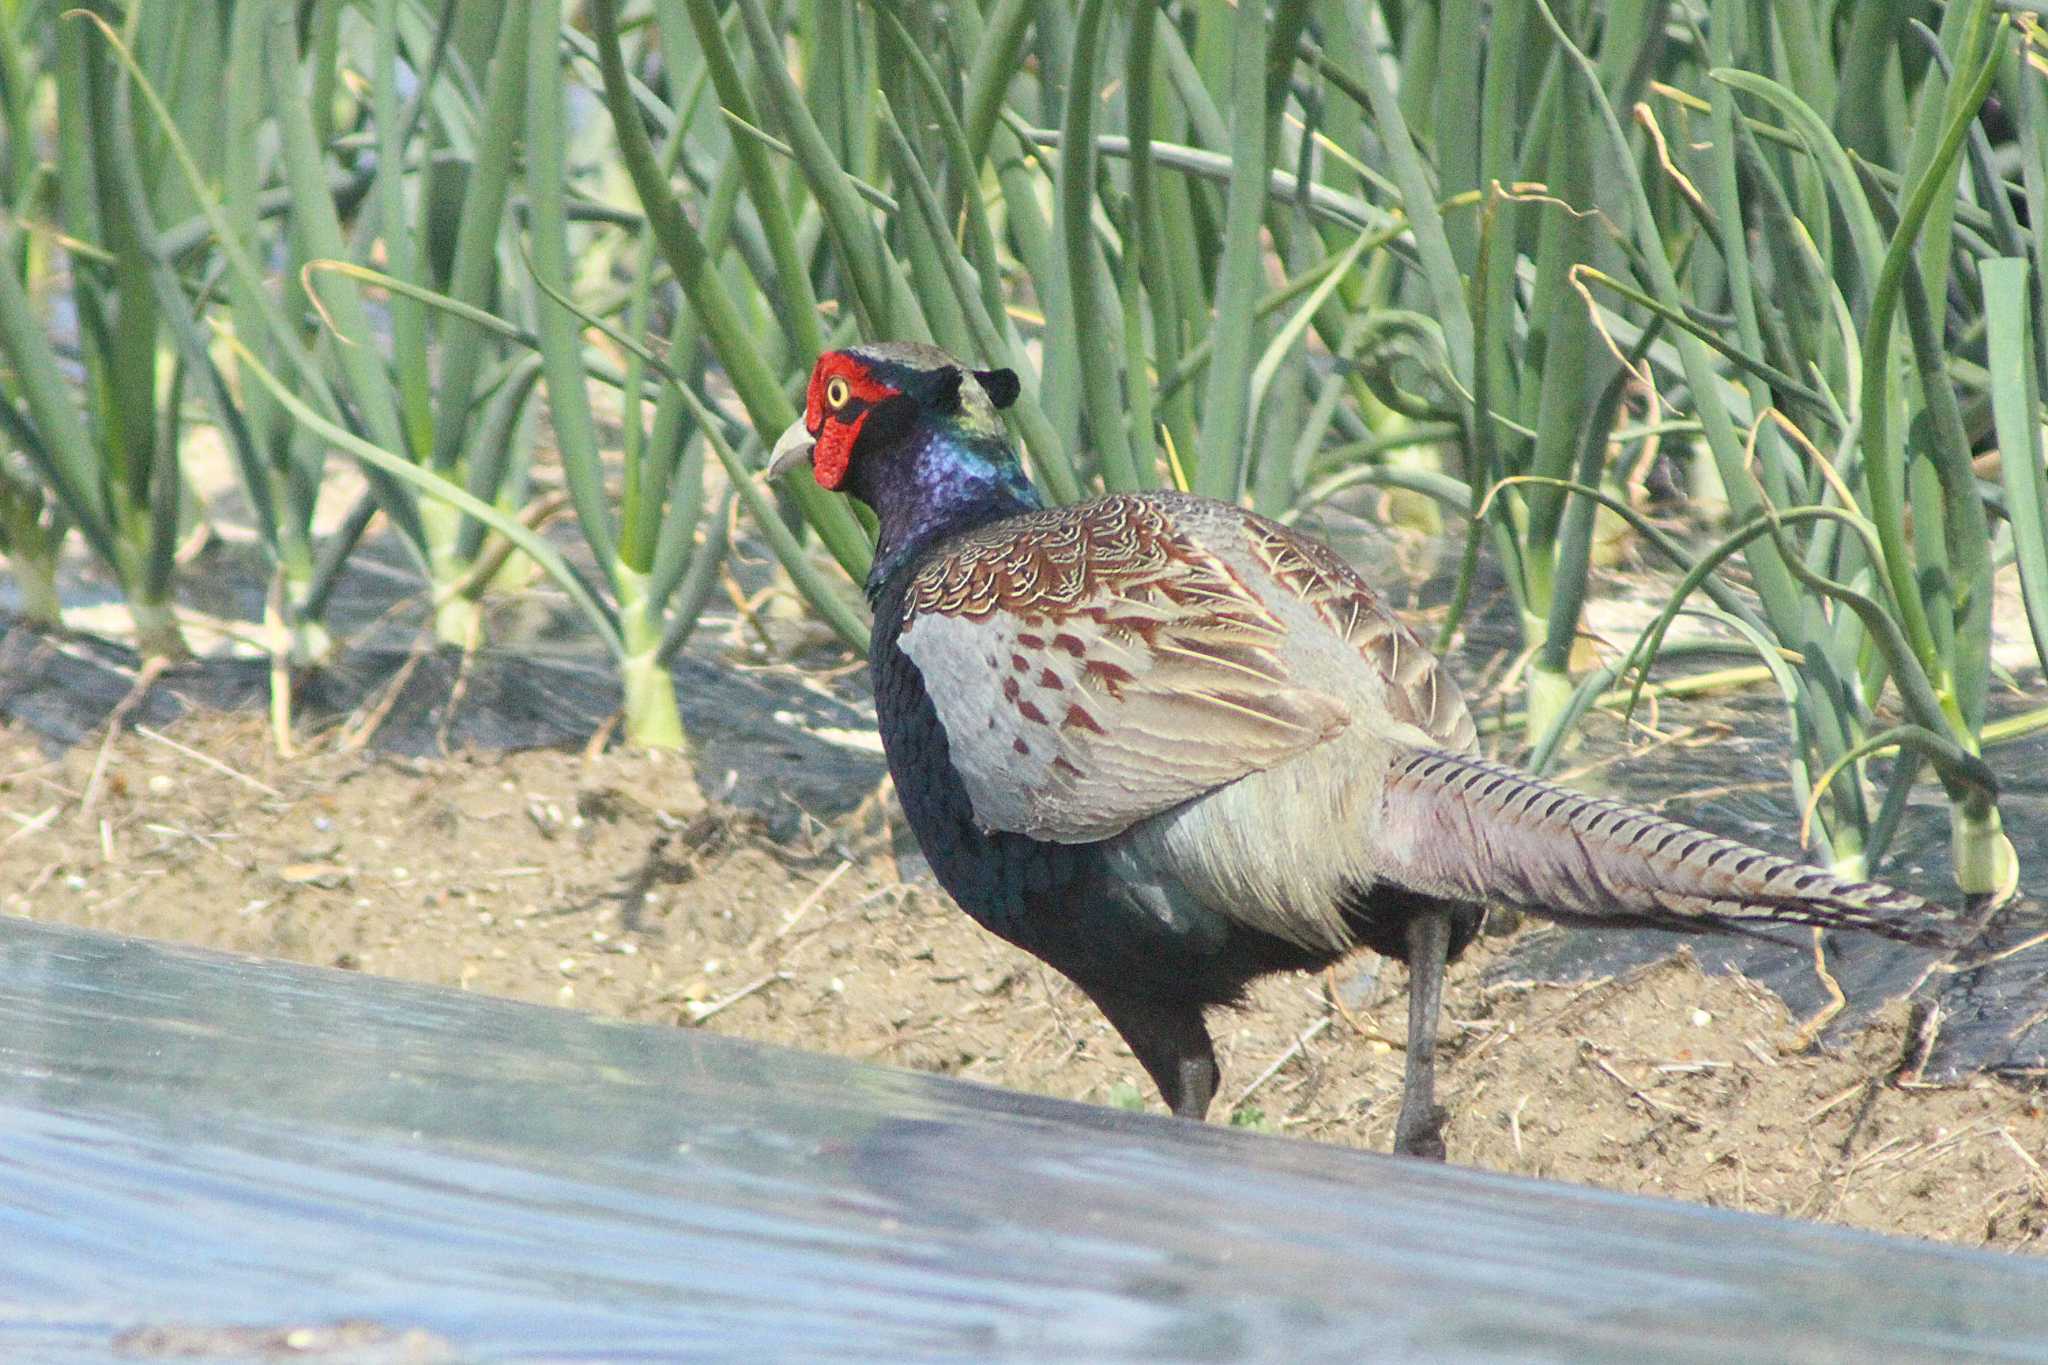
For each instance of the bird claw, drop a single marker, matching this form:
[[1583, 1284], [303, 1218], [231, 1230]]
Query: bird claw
[[1421, 1135]]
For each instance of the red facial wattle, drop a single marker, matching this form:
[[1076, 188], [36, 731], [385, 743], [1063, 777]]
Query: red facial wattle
[[836, 430], [833, 454]]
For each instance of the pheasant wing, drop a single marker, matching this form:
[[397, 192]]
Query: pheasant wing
[[1093, 666]]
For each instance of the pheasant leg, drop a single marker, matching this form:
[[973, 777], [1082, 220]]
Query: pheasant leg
[[1419, 1130], [1172, 1043]]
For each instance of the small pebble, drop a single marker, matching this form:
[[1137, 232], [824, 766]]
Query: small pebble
[[567, 966], [1700, 1019], [161, 784]]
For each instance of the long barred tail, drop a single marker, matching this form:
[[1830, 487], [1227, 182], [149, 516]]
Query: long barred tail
[[1469, 829]]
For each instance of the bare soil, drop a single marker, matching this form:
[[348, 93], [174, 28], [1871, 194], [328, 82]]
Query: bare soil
[[605, 882]]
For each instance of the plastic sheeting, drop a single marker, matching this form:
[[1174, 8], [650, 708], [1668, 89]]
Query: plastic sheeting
[[760, 740], [214, 1157]]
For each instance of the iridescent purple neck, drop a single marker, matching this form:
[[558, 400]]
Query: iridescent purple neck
[[934, 483]]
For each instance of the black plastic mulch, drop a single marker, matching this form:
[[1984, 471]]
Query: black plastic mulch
[[757, 738]]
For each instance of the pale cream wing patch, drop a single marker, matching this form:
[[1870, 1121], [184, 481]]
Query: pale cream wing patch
[[1074, 709], [1079, 740]]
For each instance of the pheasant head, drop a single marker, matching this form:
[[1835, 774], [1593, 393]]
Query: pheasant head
[[914, 434]]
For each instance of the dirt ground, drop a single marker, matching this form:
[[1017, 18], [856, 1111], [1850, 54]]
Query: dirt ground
[[605, 882]]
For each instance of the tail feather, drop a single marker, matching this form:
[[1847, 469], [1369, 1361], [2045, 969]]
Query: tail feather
[[1463, 827]]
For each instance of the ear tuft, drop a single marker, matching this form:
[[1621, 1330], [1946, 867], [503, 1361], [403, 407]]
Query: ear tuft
[[943, 392], [1000, 385]]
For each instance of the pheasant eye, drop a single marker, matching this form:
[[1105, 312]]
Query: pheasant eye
[[837, 391]]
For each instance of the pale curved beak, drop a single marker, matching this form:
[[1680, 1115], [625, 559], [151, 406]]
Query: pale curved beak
[[792, 448]]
